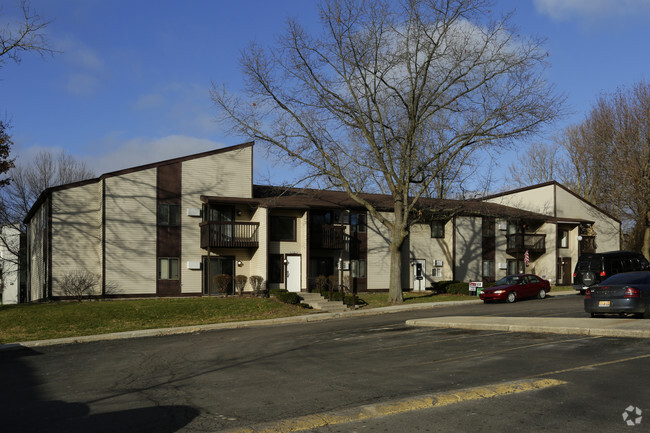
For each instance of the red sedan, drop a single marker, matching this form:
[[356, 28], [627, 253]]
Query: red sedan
[[513, 287]]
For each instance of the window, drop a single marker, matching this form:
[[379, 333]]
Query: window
[[436, 272], [516, 267], [488, 268], [437, 229], [358, 268], [488, 227], [169, 214], [563, 238], [358, 222], [283, 228], [168, 268], [276, 262]]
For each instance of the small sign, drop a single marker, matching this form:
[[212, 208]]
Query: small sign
[[475, 287]]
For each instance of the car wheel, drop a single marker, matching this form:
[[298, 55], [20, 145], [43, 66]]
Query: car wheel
[[541, 294], [512, 296]]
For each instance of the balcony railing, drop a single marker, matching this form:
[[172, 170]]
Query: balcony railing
[[229, 235], [588, 244], [328, 237], [520, 243]]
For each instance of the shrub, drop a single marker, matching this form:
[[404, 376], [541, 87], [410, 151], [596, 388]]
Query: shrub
[[80, 284], [441, 286], [222, 282], [285, 296], [332, 282], [458, 288], [257, 283], [240, 283], [321, 283]]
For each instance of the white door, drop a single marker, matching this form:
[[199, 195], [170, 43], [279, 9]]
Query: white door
[[419, 275], [293, 273]]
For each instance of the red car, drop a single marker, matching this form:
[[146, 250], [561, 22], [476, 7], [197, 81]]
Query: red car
[[513, 287]]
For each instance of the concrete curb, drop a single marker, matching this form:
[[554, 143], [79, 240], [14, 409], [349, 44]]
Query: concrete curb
[[313, 317], [600, 327]]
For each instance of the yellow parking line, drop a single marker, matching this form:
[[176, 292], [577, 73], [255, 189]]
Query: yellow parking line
[[396, 407], [599, 364]]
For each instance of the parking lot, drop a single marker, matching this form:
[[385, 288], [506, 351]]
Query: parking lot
[[319, 376]]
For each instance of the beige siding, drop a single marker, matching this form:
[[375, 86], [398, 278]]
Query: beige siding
[[37, 268], [259, 262], [297, 247], [500, 245], [227, 174], [379, 256], [424, 247], [607, 229], [469, 248], [540, 200], [76, 233], [131, 232]]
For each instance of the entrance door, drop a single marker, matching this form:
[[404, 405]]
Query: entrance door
[[564, 271], [218, 266], [419, 275], [293, 273]]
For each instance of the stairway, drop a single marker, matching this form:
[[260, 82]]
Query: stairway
[[317, 302]]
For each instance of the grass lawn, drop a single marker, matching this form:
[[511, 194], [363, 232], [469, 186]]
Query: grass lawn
[[27, 322]]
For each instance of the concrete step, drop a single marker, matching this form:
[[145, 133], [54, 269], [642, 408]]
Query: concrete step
[[317, 302]]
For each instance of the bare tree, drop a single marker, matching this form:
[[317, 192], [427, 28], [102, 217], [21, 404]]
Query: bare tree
[[392, 92], [538, 163], [31, 178], [27, 35]]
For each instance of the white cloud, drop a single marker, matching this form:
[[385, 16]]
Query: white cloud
[[86, 68], [141, 151], [561, 10]]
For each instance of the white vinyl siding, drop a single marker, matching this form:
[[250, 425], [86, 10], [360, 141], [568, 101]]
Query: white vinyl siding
[[131, 214]]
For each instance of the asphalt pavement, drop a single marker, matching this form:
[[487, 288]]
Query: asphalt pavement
[[608, 326]]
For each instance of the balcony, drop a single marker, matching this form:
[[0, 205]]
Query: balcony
[[327, 237], [588, 244], [520, 243], [229, 235]]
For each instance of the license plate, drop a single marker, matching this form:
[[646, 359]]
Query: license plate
[[604, 303]]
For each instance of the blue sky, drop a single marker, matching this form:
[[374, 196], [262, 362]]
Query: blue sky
[[131, 84]]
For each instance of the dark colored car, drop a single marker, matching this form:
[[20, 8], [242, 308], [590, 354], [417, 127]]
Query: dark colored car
[[623, 293], [591, 269], [513, 287]]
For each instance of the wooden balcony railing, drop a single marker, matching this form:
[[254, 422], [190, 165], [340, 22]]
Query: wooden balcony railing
[[327, 236], [520, 243], [229, 235]]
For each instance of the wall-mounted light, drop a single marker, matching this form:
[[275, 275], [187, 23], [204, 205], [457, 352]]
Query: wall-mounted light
[[239, 263], [238, 213]]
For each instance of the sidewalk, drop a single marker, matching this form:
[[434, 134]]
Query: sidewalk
[[623, 327]]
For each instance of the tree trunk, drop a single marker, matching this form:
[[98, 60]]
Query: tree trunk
[[646, 237], [395, 295]]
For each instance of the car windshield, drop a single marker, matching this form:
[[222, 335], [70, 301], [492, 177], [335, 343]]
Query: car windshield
[[508, 281], [628, 278]]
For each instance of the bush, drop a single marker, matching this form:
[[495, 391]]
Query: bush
[[240, 283], [222, 282], [441, 286], [80, 284], [285, 296], [458, 289], [257, 283], [321, 283]]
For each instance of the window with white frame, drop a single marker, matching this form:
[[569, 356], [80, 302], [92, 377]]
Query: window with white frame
[[436, 272]]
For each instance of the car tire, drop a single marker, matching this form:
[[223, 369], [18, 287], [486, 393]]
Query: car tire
[[541, 294], [512, 297]]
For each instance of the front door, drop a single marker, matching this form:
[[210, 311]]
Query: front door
[[218, 266], [564, 271], [293, 273], [419, 275]]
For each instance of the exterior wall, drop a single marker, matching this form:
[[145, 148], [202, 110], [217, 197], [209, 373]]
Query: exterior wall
[[36, 256], [259, 262], [227, 174], [501, 243], [76, 233], [293, 248], [378, 262], [607, 229], [540, 200], [468, 249], [424, 247], [130, 228], [546, 264], [9, 246]]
